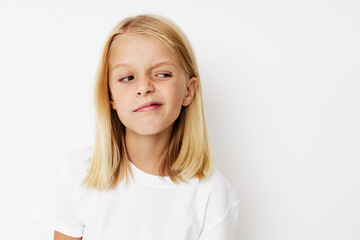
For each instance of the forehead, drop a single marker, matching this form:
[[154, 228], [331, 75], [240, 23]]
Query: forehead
[[136, 49]]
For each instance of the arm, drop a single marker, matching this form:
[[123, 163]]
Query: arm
[[60, 236]]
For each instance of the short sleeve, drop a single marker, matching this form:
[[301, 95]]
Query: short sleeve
[[225, 227], [55, 207], [222, 211]]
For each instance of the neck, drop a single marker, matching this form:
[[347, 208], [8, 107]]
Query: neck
[[145, 151]]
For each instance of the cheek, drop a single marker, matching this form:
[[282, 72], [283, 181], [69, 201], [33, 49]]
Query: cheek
[[121, 101], [181, 89], [176, 95], [123, 111]]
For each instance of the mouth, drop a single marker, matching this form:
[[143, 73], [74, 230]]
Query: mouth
[[150, 106]]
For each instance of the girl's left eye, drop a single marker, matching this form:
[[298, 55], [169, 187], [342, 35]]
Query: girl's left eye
[[164, 75]]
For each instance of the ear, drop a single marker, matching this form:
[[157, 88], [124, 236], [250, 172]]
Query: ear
[[190, 91], [112, 104]]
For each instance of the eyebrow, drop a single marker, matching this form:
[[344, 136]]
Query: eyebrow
[[156, 64]]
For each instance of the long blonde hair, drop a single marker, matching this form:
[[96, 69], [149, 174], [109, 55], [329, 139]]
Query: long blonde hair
[[188, 153]]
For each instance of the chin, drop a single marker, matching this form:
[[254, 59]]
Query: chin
[[150, 130], [144, 130]]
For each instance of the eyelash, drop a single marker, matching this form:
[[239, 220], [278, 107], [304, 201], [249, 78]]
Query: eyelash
[[167, 75], [121, 79]]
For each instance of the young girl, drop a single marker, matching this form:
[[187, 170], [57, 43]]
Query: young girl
[[149, 124]]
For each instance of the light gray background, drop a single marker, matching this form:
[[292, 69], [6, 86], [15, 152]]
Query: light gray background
[[281, 94]]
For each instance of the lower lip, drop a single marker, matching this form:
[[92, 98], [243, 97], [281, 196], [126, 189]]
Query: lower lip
[[149, 108]]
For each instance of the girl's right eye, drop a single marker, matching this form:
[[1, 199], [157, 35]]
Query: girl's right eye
[[126, 79]]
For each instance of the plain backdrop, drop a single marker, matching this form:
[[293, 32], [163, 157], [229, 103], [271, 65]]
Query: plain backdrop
[[281, 94]]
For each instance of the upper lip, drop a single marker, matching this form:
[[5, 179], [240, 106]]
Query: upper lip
[[148, 104]]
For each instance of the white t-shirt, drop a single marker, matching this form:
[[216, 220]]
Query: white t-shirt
[[147, 209]]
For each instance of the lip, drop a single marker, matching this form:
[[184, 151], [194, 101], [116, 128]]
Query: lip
[[147, 106]]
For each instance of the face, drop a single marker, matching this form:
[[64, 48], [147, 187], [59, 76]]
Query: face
[[143, 70]]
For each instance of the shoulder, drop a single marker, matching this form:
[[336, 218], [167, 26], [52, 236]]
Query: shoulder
[[76, 164], [220, 187], [221, 197], [222, 208], [79, 156]]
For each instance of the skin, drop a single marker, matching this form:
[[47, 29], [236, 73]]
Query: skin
[[135, 78], [147, 133], [60, 236]]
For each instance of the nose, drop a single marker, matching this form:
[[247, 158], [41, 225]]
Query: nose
[[144, 86]]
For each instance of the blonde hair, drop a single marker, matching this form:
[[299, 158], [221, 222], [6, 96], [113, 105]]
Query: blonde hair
[[188, 153]]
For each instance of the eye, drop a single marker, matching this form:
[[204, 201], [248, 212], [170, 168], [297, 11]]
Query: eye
[[126, 79], [164, 75]]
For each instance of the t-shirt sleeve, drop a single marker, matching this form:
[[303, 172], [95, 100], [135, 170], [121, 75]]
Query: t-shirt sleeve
[[225, 227], [55, 207], [223, 209]]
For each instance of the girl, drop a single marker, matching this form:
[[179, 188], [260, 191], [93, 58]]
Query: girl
[[149, 124]]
